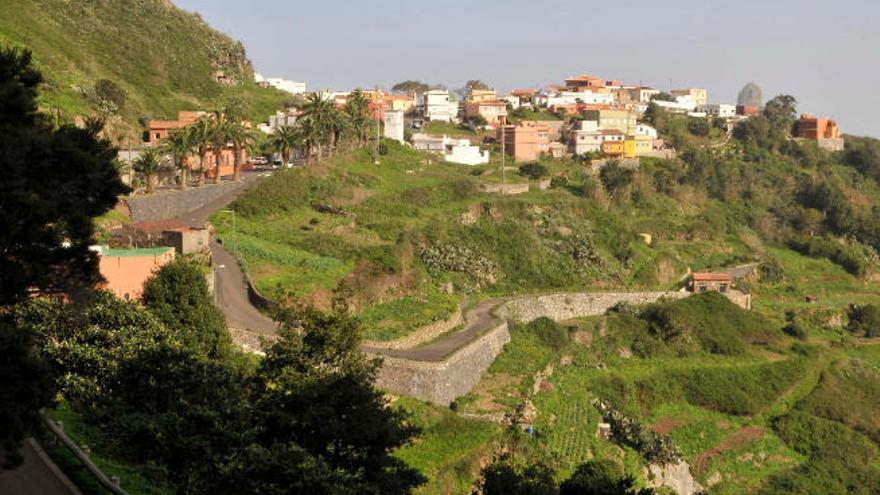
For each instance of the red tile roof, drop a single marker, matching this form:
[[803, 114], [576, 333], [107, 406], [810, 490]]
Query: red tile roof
[[711, 277]]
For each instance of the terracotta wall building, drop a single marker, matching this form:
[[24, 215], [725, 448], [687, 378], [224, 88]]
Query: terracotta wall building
[[126, 270], [810, 127], [525, 141]]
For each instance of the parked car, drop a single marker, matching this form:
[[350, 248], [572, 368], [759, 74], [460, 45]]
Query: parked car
[[417, 124]]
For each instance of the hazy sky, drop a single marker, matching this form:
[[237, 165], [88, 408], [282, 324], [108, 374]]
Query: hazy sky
[[826, 54]]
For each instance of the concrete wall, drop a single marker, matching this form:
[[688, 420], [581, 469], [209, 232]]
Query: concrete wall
[[505, 188], [172, 204], [442, 382]]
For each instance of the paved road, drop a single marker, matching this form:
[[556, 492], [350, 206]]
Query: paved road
[[478, 319], [231, 294], [37, 476], [230, 289]]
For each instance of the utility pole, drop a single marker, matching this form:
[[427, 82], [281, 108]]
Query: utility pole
[[503, 147], [376, 109]]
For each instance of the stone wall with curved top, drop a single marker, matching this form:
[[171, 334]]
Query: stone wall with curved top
[[444, 381], [422, 335], [560, 307]]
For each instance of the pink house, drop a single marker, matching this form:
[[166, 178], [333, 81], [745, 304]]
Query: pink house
[[126, 270]]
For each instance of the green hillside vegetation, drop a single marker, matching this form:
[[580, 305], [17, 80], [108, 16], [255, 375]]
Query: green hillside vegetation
[[140, 60], [731, 388]]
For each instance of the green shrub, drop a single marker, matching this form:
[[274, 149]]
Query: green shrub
[[864, 319], [847, 256], [558, 181], [550, 333], [771, 271], [533, 170]]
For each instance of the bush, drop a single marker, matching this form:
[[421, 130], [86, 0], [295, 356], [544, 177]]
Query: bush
[[771, 271], [552, 334], [559, 181], [533, 170], [698, 126], [849, 257], [864, 319]]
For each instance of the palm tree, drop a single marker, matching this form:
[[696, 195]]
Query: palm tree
[[338, 126], [284, 139], [200, 136], [219, 139], [149, 162], [241, 138], [357, 107], [319, 111], [179, 145]]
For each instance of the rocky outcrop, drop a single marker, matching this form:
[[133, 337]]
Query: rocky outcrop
[[676, 476]]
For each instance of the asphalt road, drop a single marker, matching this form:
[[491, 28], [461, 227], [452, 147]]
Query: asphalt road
[[478, 320], [37, 476], [231, 294]]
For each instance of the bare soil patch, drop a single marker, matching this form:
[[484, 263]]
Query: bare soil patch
[[666, 425], [739, 438]]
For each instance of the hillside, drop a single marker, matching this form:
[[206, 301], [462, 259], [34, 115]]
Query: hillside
[[405, 241], [161, 57]]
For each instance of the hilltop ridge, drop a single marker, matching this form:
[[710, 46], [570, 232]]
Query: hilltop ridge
[[162, 58]]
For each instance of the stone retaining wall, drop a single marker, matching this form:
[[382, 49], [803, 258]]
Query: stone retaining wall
[[174, 203], [505, 188], [443, 382], [422, 335], [560, 307]]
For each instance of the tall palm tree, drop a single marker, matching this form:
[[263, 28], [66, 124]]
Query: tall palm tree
[[285, 139], [219, 139], [149, 162], [338, 126], [179, 145], [200, 136], [357, 107], [241, 138], [320, 112]]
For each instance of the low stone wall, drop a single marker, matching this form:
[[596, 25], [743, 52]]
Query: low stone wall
[[442, 382], [505, 188], [560, 307], [174, 203], [422, 335]]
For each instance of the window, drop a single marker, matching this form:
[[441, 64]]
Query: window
[[701, 288], [722, 288]]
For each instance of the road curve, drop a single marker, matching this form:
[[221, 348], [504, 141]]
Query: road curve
[[38, 475], [478, 320]]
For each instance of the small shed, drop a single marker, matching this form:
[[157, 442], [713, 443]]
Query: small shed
[[711, 282]]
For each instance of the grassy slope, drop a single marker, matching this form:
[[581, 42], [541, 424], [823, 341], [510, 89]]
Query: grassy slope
[[160, 55]]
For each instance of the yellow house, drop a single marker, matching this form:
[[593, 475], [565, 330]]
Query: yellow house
[[621, 120], [478, 95], [614, 149], [637, 145]]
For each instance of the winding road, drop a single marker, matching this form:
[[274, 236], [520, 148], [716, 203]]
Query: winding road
[[478, 320]]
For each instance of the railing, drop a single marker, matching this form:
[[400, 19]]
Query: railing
[[111, 484]]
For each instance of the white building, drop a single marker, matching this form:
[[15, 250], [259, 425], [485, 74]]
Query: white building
[[292, 87], [453, 150], [574, 97], [439, 106], [682, 104], [645, 130], [642, 94], [511, 100], [586, 138], [463, 153], [394, 125], [722, 110]]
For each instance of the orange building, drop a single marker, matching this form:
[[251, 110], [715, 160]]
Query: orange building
[[810, 127], [158, 130], [126, 270], [526, 140], [493, 111], [613, 149], [587, 83]]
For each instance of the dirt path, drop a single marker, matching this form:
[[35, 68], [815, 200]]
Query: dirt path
[[739, 438]]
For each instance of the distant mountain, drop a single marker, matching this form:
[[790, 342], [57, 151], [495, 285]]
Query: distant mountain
[[163, 59]]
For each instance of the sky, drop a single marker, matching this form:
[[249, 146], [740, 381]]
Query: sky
[[826, 54]]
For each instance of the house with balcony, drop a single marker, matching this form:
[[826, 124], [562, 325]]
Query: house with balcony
[[494, 111], [440, 106]]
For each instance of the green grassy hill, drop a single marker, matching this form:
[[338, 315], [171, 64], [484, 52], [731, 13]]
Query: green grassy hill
[[735, 390], [163, 58]]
